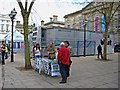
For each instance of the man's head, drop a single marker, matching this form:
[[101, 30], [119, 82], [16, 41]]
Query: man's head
[[66, 43], [62, 44], [51, 43]]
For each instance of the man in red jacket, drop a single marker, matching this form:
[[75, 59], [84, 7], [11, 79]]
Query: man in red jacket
[[64, 62]]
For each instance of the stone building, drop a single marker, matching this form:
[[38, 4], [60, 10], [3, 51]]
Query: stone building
[[5, 24], [53, 22], [94, 20], [19, 27], [93, 17]]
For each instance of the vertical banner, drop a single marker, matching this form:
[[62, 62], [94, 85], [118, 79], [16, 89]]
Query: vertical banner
[[96, 23], [103, 24], [22, 46]]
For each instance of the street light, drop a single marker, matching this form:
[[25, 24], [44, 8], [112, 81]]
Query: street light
[[85, 22], [12, 16]]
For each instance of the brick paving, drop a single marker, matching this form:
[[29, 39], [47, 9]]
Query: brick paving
[[86, 72]]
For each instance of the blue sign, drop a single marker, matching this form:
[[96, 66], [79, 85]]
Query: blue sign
[[103, 24]]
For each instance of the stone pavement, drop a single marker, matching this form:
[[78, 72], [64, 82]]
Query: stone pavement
[[86, 72], [1, 77]]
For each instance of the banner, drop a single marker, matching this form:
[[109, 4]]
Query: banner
[[96, 23], [103, 24]]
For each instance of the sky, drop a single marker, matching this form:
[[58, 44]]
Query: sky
[[43, 9]]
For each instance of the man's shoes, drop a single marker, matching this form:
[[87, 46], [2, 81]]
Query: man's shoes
[[62, 82]]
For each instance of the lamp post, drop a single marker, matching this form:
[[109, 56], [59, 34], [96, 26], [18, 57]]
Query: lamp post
[[12, 16], [85, 22]]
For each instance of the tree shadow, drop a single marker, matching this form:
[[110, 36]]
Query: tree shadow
[[24, 69], [103, 60]]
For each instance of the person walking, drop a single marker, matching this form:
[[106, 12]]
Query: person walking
[[51, 51], [67, 45], [63, 61], [6, 52], [3, 53], [99, 48]]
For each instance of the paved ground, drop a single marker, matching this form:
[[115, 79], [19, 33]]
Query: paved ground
[[1, 77], [86, 72]]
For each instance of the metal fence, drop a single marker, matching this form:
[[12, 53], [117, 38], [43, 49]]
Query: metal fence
[[78, 47]]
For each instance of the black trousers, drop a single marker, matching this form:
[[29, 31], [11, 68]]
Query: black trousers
[[3, 57], [6, 55], [100, 53], [68, 68], [63, 71]]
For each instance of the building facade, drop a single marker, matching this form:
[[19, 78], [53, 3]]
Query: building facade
[[93, 17], [5, 24], [53, 22], [94, 20], [19, 27]]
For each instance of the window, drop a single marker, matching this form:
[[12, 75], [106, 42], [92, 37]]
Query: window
[[7, 27], [18, 44], [2, 20], [68, 26], [74, 25], [2, 25], [8, 21], [35, 34]]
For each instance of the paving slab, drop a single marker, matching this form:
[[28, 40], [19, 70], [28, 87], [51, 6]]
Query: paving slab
[[86, 72]]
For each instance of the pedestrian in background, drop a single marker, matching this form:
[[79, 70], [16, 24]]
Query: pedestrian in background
[[63, 61], [3, 53], [99, 48], [34, 48], [6, 52], [67, 45]]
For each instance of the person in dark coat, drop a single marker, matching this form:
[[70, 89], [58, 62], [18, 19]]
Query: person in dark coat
[[99, 48], [63, 61], [3, 53]]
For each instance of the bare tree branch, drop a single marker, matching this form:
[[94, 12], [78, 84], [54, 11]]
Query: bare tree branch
[[114, 11], [100, 10], [30, 7], [21, 6], [26, 5]]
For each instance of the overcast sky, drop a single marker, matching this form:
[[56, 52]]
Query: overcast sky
[[42, 9]]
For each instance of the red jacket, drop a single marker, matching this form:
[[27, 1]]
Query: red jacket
[[64, 56]]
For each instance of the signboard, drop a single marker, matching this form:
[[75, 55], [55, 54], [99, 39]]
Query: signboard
[[96, 23], [103, 24]]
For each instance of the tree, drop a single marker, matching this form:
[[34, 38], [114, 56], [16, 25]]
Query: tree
[[25, 12], [108, 10]]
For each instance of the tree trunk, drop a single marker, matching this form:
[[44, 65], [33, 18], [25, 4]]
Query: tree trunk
[[105, 43], [27, 49]]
